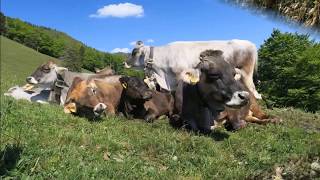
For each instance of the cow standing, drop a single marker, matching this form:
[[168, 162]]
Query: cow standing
[[167, 64]]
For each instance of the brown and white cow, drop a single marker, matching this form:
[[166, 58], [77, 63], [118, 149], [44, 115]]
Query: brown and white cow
[[50, 76]]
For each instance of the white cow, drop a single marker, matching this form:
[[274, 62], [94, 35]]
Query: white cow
[[178, 60]]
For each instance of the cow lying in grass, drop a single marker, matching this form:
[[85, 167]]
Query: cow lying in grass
[[140, 102], [93, 97], [197, 105], [251, 112]]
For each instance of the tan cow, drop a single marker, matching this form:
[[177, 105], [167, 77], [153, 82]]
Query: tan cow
[[93, 97]]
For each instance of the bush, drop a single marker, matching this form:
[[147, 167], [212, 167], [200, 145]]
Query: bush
[[289, 70]]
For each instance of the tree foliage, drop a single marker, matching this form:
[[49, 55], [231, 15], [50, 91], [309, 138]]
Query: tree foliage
[[289, 70], [60, 45]]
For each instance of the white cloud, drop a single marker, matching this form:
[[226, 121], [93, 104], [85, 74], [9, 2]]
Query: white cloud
[[121, 10], [150, 41], [123, 50]]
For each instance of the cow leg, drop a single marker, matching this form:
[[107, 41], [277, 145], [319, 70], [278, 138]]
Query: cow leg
[[247, 78]]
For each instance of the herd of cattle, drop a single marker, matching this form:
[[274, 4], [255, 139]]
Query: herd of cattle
[[196, 84]]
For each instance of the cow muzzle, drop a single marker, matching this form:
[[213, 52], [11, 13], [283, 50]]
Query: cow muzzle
[[31, 80], [99, 109], [239, 99]]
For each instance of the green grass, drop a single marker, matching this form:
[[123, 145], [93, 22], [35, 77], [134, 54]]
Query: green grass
[[40, 141]]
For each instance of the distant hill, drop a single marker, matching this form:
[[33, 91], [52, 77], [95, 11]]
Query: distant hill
[[59, 45]]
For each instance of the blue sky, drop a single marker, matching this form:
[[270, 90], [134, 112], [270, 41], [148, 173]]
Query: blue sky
[[118, 23]]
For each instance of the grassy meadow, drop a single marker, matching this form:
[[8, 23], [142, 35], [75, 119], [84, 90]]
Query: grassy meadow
[[41, 142]]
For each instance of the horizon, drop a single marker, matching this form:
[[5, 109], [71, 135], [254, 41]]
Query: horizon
[[142, 20]]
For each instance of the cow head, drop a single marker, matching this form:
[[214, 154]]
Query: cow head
[[135, 88], [217, 84], [137, 57], [45, 75], [85, 98]]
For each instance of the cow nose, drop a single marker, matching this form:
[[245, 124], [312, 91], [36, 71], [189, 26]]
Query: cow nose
[[99, 109], [31, 80], [243, 95], [239, 99]]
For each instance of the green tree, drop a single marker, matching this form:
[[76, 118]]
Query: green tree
[[72, 60], [287, 70]]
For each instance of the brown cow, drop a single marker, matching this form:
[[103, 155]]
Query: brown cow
[[93, 97], [140, 102]]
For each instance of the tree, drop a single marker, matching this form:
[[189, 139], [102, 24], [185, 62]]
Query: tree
[[72, 59], [3, 26], [289, 70]]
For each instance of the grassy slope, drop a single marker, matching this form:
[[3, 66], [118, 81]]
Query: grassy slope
[[42, 141]]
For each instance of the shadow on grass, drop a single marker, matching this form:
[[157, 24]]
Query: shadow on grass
[[218, 135], [10, 155]]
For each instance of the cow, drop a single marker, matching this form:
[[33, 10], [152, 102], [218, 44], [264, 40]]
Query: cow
[[59, 79], [197, 105], [165, 64], [94, 97], [251, 112], [38, 95], [141, 102]]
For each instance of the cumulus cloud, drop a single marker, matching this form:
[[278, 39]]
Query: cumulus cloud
[[121, 10], [122, 50]]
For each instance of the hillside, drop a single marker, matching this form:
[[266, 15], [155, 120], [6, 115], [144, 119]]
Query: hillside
[[60, 45], [41, 142], [16, 60]]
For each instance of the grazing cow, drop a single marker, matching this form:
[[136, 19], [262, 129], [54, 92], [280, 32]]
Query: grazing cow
[[58, 79], [36, 95], [197, 105], [165, 64], [93, 97], [141, 102]]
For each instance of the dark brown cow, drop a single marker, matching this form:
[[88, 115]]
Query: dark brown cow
[[93, 97], [198, 104], [140, 102]]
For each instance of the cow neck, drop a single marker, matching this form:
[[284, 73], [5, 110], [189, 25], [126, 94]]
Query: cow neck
[[61, 80], [203, 102]]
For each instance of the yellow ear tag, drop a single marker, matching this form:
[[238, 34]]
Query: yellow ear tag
[[124, 85], [193, 79], [28, 87], [70, 108]]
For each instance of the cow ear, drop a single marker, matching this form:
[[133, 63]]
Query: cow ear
[[51, 64], [60, 70], [124, 79]]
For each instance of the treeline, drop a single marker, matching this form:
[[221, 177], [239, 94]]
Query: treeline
[[75, 54], [289, 70]]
